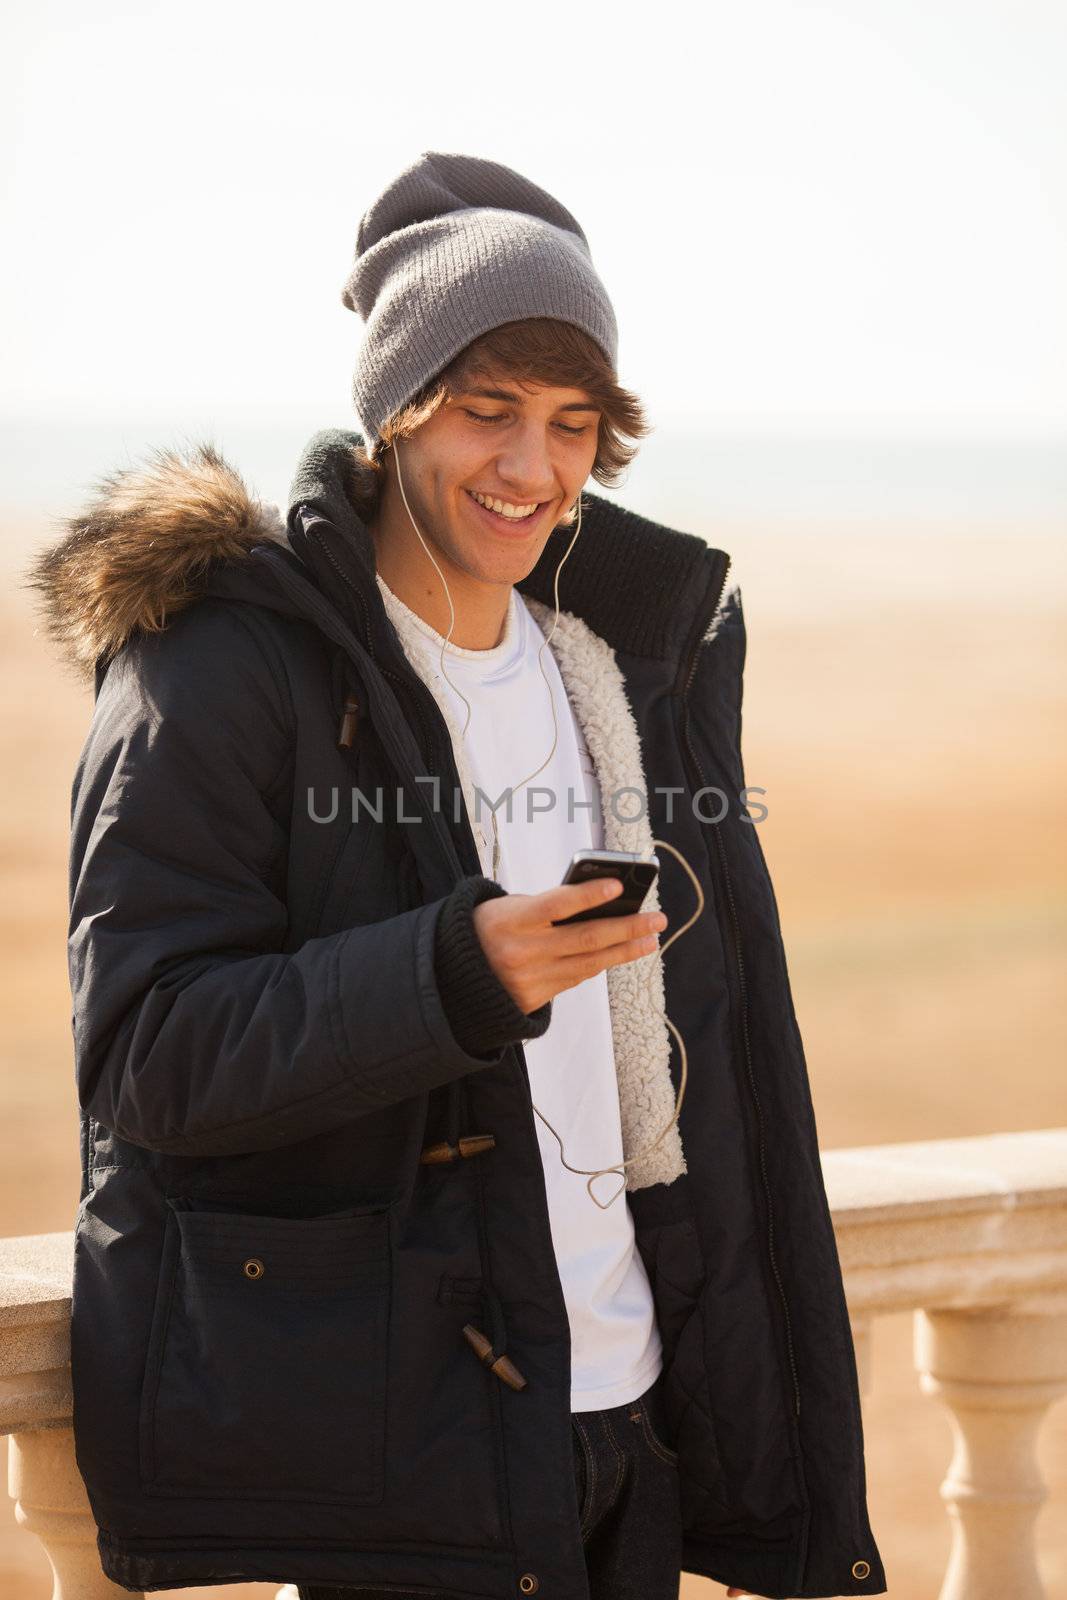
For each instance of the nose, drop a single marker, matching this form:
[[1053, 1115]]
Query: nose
[[524, 463]]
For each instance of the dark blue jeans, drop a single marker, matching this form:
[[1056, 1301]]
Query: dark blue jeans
[[626, 1479], [626, 1483]]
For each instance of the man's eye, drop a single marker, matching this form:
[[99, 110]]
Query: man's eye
[[479, 416]]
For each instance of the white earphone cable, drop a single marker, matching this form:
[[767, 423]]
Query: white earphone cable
[[662, 843]]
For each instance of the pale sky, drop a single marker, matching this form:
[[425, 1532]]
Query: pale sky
[[840, 217]]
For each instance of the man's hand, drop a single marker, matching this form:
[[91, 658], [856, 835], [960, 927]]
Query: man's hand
[[535, 961], [744, 1592]]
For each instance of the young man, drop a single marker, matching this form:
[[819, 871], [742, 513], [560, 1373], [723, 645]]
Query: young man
[[395, 1270]]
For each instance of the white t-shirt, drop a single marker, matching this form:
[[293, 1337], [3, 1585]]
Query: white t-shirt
[[616, 1353]]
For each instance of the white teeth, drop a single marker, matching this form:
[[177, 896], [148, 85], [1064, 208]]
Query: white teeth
[[504, 507]]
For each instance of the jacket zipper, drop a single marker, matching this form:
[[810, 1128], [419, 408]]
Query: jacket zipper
[[738, 956]]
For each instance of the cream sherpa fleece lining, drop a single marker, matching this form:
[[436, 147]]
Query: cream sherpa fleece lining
[[641, 1042]]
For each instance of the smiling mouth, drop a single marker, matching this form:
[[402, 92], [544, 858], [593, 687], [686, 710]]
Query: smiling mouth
[[501, 518]]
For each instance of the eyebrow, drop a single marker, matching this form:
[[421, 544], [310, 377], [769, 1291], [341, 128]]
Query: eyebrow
[[514, 399]]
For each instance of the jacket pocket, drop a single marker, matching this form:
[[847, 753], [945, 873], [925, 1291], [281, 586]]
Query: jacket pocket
[[266, 1368], [652, 1433]]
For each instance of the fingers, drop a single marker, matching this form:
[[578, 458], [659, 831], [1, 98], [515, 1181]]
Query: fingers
[[616, 955], [600, 933], [594, 954], [568, 898], [536, 960]]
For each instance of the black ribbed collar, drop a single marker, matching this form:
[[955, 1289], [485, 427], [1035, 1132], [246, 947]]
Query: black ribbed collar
[[641, 586]]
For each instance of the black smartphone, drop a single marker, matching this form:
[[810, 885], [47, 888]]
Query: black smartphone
[[636, 873]]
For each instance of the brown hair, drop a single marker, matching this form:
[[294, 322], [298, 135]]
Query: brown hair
[[538, 350]]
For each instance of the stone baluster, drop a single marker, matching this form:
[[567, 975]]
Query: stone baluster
[[997, 1369], [50, 1501]]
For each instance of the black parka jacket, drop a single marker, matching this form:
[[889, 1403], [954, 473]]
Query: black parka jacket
[[284, 1027]]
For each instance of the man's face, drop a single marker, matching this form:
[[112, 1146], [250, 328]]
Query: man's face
[[523, 447]]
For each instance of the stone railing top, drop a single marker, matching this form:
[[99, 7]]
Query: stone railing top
[[35, 1278], [956, 1223], [35, 1285], [932, 1177]]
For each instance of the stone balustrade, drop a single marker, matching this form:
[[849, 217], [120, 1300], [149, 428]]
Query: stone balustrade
[[968, 1234]]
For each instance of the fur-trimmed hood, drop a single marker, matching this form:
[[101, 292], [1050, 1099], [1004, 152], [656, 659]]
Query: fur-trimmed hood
[[142, 549]]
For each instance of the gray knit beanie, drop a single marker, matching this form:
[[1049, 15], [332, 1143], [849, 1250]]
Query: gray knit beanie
[[454, 247]]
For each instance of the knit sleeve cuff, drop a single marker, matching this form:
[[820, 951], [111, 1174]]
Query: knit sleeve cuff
[[480, 1011]]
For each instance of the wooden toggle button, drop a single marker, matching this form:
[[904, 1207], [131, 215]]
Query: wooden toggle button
[[471, 1145], [349, 719], [505, 1370]]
